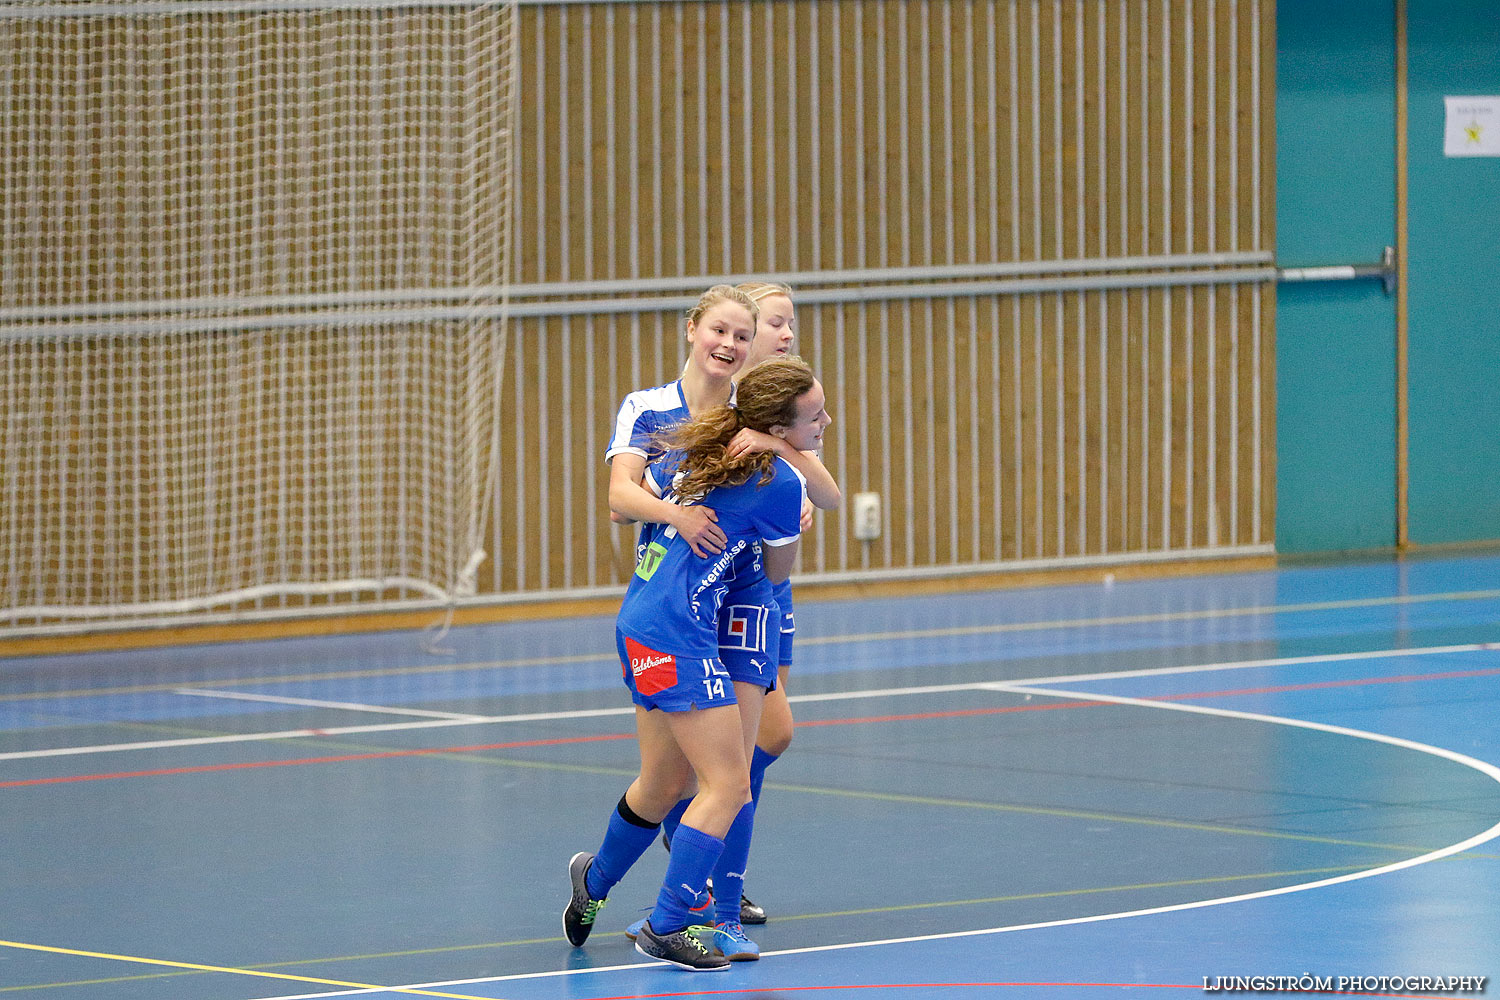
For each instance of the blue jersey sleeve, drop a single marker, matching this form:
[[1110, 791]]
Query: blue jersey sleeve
[[778, 520]]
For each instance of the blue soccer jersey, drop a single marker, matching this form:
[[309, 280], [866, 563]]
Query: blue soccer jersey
[[671, 607], [750, 621], [751, 637]]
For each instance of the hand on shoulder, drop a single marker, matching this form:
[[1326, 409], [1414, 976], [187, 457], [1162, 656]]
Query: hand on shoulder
[[751, 442]]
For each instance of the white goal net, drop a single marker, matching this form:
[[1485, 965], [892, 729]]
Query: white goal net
[[251, 304]]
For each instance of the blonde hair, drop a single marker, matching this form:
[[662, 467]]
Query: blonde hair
[[767, 395], [723, 293], [758, 290]]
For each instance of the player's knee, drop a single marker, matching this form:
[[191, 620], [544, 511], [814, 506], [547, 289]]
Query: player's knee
[[732, 791], [656, 801], [775, 735]]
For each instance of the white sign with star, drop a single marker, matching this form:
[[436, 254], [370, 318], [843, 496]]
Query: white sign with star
[[1473, 126]]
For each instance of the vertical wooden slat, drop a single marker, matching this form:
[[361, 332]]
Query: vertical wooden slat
[[1021, 233], [1208, 86], [1031, 419], [1104, 448], [1189, 378], [935, 427], [1260, 485], [1169, 443], [878, 133]]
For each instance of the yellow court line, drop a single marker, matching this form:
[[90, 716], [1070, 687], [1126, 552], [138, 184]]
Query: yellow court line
[[944, 904], [195, 967], [783, 918], [934, 633], [924, 800], [853, 793], [1061, 893], [927, 800], [325, 960], [103, 981], [1173, 824]]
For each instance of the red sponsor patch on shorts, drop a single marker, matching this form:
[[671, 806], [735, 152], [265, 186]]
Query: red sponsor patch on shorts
[[653, 672]]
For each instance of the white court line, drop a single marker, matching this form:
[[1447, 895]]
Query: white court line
[[1284, 661], [595, 713], [315, 703], [1483, 767], [1489, 770], [825, 640], [292, 734], [1151, 618]]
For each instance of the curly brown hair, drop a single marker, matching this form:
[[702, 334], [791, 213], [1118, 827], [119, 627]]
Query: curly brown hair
[[767, 395]]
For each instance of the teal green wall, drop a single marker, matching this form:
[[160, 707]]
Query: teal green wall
[[1454, 284], [1335, 203], [1335, 341]]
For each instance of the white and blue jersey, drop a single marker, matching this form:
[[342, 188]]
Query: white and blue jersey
[[645, 417], [668, 629]]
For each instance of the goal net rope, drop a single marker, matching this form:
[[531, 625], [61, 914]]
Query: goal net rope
[[251, 304]]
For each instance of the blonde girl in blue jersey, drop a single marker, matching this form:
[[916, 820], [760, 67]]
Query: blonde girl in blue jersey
[[720, 327], [688, 722], [714, 341], [775, 336]]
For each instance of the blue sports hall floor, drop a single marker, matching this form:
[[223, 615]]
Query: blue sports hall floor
[[1154, 788]]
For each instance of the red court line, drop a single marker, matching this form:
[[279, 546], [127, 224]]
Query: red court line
[[382, 755], [1319, 685], [906, 717], [954, 714]]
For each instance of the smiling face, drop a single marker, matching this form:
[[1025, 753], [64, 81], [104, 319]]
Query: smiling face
[[776, 330], [805, 433], [719, 339]]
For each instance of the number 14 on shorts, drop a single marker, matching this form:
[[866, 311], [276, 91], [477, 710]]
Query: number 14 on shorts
[[714, 676]]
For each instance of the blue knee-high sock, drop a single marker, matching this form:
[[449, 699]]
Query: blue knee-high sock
[[694, 854], [674, 818], [758, 764], [625, 840], [729, 873]]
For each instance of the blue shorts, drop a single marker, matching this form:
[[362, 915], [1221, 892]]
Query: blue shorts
[[784, 640], [671, 683], [749, 642], [788, 624]]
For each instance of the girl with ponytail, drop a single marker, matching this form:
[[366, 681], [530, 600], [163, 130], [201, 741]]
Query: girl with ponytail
[[689, 722]]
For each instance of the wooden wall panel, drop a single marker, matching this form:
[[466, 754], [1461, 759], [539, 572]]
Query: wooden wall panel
[[1000, 428], [913, 168]]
